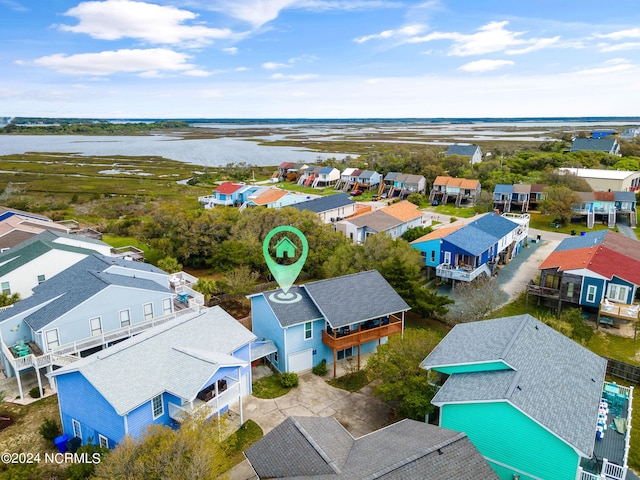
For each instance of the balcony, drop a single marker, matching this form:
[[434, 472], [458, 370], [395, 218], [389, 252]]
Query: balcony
[[363, 334], [543, 291], [461, 273], [213, 406]]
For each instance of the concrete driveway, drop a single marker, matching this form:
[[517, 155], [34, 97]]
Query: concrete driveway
[[359, 412]]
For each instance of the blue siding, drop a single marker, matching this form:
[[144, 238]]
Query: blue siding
[[430, 247], [141, 418], [599, 284], [619, 281], [266, 325], [244, 353], [95, 414]]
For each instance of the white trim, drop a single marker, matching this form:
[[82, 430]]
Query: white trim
[[48, 342], [461, 364], [167, 306], [75, 423], [128, 317], [145, 313], [153, 407], [102, 439], [591, 293], [528, 475], [310, 337], [95, 331]]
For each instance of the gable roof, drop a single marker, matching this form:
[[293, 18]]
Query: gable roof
[[269, 196], [377, 221], [438, 233], [469, 183], [7, 212], [391, 176], [462, 150], [593, 144], [370, 296], [327, 170], [551, 379], [503, 188], [521, 188], [227, 188], [404, 211], [472, 240], [319, 447], [324, 204], [605, 252], [289, 314], [76, 284], [599, 173], [177, 357], [496, 225]]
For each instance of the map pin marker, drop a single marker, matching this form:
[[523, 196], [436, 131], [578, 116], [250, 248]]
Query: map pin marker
[[285, 248]]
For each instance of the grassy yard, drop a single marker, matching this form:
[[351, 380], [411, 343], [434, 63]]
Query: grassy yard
[[269, 387], [150, 255], [249, 433], [451, 210]]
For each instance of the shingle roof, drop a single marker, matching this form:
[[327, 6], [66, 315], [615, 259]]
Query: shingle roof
[[521, 188], [377, 221], [553, 380], [289, 314], [319, 447], [605, 252], [369, 297], [462, 150], [269, 196], [503, 188], [177, 357], [469, 183], [391, 176], [404, 211], [472, 240], [367, 174], [327, 170], [324, 204], [439, 233], [69, 288], [229, 187], [495, 225], [593, 144]]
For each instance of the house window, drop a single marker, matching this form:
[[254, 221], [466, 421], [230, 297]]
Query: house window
[[166, 306], [591, 293], [308, 331], [618, 293], [346, 353], [147, 310], [433, 256], [125, 318], [5, 288], [77, 429], [104, 441], [158, 407], [570, 288], [447, 258], [52, 339], [275, 357], [96, 326], [41, 278]]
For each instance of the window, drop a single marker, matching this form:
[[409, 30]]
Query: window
[[166, 306], [41, 278], [618, 293], [52, 339], [77, 429], [447, 257], [591, 293], [275, 357], [147, 310], [308, 331], [346, 353], [125, 318], [570, 288], [433, 256], [96, 326], [104, 441], [158, 407], [6, 288]]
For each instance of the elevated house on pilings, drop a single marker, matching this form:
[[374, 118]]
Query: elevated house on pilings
[[599, 271]]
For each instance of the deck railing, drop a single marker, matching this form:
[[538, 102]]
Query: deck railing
[[619, 310], [361, 336], [465, 274], [543, 291], [224, 399]]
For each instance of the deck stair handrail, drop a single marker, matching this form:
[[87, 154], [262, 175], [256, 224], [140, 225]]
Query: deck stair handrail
[[460, 273], [545, 291], [223, 399]]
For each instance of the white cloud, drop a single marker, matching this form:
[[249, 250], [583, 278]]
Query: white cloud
[[255, 12], [614, 65], [484, 65], [492, 37], [242, 69], [303, 76], [619, 35], [605, 47], [156, 24], [407, 31], [274, 65], [149, 62], [230, 50]]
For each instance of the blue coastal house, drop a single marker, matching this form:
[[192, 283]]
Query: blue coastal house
[[463, 253], [323, 325], [329, 208], [599, 270], [195, 363], [533, 402], [94, 303]]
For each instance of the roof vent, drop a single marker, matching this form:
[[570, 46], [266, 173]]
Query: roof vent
[[519, 388]]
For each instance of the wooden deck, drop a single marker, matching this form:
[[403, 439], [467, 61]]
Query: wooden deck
[[360, 336]]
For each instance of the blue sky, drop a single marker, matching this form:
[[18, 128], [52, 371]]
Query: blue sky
[[319, 58]]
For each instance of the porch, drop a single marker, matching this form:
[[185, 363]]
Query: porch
[[341, 338], [128, 253], [613, 434], [463, 273], [213, 400], [611, 313]]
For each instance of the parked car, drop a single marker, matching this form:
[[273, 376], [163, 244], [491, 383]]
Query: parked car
[[356, 193]]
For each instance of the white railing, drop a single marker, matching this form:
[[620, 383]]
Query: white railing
[[224, 399], [582, 475], [464, 274], [613, 471], [196, 297], [620, 309]]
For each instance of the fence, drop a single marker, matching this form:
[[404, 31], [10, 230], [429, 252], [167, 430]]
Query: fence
[[624, 371]]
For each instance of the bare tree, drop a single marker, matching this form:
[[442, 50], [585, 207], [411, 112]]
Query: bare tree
[[474, 300]]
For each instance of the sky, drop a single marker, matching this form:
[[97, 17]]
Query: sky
[[319, 58]]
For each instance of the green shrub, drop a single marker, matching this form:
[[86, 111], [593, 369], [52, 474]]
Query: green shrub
[[34, 392], [289, 379], [50, 429], [320, 369]]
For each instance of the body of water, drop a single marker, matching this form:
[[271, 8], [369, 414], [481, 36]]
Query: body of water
[[209, 152]]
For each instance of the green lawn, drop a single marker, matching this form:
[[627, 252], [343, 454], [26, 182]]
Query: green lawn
[[150, 255], [269, 387], [451, 210]]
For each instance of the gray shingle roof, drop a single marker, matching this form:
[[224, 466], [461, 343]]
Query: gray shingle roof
[[354, 298], [289, 314], [593, 144], [471, 240], [462, 150], [319, 447], [323, 204], [377, 221], [554, 381], [177, 357], [76, 284]]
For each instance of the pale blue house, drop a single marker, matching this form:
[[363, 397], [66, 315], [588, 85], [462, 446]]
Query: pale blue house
[[158, 377], [332, 320]]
